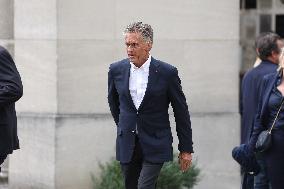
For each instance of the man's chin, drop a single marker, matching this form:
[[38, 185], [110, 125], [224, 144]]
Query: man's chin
[[131, 59]]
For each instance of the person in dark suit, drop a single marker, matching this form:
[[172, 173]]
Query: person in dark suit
[[11, 90], [271, 98], [267, 47], [140, 89]]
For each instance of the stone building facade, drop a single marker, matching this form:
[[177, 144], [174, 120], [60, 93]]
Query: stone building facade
[[63, 48], [257, 16]]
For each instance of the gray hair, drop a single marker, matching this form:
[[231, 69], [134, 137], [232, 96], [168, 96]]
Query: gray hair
[[144, 29]]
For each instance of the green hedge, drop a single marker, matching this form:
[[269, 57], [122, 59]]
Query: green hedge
[[170, 177]]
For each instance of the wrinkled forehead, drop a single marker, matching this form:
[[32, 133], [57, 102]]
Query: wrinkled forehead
[[134, 33], [134, 36]]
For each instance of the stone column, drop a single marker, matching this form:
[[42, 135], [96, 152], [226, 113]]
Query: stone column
[[63, 48], [85, 129], [35, 33], [7, 25]]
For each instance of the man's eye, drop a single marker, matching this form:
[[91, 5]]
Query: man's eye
[[132, 45]]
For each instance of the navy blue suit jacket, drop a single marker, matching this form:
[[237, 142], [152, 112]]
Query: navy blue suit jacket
[[250, 91], [262, 116], [152, 118], [11, 90]]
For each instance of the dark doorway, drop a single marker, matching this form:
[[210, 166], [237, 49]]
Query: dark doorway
[[280, 25], [265, 23], [250, 4]]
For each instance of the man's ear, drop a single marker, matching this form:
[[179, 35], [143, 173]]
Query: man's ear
[[257, 51], [149, 46]]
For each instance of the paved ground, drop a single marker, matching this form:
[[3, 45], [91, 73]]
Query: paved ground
[[3, 186], [4, 179]]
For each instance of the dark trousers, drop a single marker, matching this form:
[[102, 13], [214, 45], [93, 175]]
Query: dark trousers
[[274, 159], [2, 159], [247, 181], [140, 174], [261, 179]]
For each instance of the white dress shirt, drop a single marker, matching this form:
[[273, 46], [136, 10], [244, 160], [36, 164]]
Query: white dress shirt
[[138, 81]]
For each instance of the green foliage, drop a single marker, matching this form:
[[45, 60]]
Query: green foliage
[[170, 176], [110, 177]]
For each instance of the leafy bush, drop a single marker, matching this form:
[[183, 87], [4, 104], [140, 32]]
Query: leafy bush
[[170, 176], [110, 177]]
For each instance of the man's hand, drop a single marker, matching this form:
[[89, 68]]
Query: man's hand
[[184, 160]]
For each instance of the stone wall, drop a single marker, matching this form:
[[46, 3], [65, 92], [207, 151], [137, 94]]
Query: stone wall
[[63, 49]]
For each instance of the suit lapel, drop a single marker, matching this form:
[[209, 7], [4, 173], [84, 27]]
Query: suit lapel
[[126, 75], [152, 79], [267, 93]]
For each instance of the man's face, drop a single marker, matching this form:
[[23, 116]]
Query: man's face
[[137, 49], [280, 45]]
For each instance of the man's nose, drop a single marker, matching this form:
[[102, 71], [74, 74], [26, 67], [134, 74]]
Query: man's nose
[[129, 48]]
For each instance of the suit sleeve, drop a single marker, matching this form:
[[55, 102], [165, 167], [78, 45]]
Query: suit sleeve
[[241, 108], [181, 113], [11, 88], [258, 126], [113, 98]]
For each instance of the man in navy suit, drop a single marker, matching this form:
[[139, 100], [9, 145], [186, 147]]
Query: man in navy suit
[[11, 90], [140, 89], [268, 47]]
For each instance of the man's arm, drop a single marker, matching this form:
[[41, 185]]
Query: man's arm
[[182, 119], [11, 88], [258, 126], [113, 99]]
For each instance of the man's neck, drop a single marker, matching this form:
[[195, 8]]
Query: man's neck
[[140, 63], [270, 59]]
